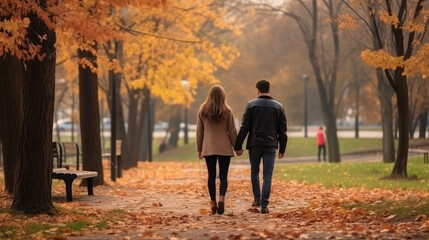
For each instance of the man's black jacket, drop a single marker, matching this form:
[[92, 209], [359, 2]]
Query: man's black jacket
[[265, 121]]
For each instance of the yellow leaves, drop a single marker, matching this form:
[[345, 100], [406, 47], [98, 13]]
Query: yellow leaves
[[160, 63], [12, 38], [388, 19], [381, 59], [346, 21], [416, 64]]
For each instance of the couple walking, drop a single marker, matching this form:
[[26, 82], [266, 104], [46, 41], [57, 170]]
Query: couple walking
[[264, 119]]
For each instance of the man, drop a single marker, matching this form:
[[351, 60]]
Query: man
[[265, 121]]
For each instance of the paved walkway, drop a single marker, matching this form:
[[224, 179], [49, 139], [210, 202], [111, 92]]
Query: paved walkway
[[170, 201]]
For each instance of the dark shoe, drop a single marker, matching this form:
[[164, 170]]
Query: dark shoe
[[264, 210], [214, 207], [256, 203], [221, 208]]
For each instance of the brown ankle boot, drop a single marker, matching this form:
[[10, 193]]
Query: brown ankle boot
[[221, 205], [214, 207], [221, 208]]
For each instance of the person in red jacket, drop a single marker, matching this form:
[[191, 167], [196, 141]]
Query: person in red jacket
[[321, 144]]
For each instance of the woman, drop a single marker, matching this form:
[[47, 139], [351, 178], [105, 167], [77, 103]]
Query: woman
[[216, 136]]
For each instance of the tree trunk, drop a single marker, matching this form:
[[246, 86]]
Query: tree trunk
[[34, 169], [120, 128], [332, 137], [141, 131], [400, 168], [328, 112], [423, 123], [133, 122], [385, 93], [357, 111], [12, 72], [413, 118], [174, 127], [90, 117], [147, 133]]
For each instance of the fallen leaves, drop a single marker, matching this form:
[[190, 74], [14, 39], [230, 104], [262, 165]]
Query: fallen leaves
[[204, 211], [171, 201]]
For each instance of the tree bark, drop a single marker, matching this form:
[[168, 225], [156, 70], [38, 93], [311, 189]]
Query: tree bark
[[120, 121], [147, 133], [385, 93], [12, 72], [423, 123], [90, 117], [357, 110], [133, 120], [174, 128], [140, 128], [400, 168], [34, 169]]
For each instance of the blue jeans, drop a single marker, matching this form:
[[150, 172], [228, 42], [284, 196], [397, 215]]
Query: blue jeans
[[268, 155]]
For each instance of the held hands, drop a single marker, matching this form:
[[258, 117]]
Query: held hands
[[239, 152]]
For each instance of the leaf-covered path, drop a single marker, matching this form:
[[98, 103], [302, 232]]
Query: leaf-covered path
[[170, 201]]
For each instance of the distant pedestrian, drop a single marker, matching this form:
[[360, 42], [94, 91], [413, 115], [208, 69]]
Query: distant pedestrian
[[264, 119], [216, 136], [320, 138], [162, 146]]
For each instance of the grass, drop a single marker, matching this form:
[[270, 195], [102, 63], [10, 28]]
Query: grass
[[297, 147], [8, 232], [366, 174], [36, 227], [401, 210], [77, 225], [113, 216]]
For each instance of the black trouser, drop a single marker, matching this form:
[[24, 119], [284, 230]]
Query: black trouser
[[223, 174], [321, 148]]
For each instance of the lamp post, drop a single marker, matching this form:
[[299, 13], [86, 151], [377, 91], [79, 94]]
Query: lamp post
[[305, 78], [185, 85]]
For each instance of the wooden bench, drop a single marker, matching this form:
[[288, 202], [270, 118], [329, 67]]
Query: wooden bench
[[70, 149], [61, 151], [69, 176], [424, 151]]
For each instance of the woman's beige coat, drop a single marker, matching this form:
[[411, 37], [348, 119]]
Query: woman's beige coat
[[216, 138]]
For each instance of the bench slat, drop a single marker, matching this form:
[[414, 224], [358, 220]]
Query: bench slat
[[78, 174], [415, 150]]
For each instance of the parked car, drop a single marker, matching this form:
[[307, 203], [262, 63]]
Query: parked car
[[65, 124], [161, 126], [106, 123]]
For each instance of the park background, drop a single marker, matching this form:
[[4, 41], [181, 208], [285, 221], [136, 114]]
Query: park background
[[72, 69]]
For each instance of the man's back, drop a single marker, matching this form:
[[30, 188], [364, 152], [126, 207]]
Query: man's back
[[265, 121]]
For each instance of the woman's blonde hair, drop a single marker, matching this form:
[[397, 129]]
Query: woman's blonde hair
[[215, 105]]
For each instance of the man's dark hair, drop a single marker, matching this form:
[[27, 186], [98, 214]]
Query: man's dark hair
[[263, 86]]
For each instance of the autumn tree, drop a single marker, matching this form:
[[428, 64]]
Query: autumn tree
[[405, 24], [27, 44], [28, 36], [162, 48]]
